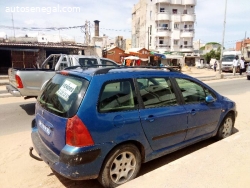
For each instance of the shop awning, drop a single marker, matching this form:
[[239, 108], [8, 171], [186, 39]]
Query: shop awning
[[132, 57]]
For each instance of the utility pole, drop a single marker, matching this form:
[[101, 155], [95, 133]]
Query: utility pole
[[223, 36], [86, 32], [13, 26], [148, 38], [244, 45]]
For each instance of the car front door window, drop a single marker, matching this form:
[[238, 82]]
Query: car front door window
[[191, 92]]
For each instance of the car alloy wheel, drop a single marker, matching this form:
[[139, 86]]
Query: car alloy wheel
[[121, 165], [226, 127]]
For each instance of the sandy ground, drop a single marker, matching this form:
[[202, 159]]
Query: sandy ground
[[18, 169]]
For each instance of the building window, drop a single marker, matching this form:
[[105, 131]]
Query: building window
[[185, 42], [176, 42], [165, 25], [162, 9], [161, 40], [150, 15], [176, 26], [185, 26], [150, 41], [175, 11]]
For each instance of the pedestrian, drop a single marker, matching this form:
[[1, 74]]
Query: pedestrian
[[215, 65], [235, 64], [242, 65]]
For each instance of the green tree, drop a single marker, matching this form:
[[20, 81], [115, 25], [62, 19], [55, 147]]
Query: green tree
[[213, 54]]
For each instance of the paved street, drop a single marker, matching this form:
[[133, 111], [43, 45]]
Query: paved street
[[206, 164]]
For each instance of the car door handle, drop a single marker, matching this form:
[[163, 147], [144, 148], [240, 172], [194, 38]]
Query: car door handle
[[193, 112], [150, 118]]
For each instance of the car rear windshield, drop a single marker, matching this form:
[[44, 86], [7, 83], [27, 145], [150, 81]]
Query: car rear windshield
[[63, 94]]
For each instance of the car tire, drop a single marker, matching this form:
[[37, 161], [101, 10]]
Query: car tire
[[226, 127], [248, 77], [120, 166]]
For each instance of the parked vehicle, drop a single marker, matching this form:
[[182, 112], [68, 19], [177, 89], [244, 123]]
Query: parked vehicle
[[227, 60], [29, 81], [104, 122], [248, 72]]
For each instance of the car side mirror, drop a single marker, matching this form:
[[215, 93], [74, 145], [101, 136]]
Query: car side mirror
[[209, 99]]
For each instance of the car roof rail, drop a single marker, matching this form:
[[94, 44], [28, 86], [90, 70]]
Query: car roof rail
[[107, 69], [90, 66], [103, 69]]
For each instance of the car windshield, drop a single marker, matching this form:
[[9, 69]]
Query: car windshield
[[62, 95], [228, 58]]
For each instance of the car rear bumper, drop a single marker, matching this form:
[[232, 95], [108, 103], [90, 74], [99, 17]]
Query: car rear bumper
[[12, 90], [72, 165]]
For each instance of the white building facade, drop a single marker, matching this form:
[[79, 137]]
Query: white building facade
[[164, 25]]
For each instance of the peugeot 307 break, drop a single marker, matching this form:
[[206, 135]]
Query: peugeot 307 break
[[104, 122]]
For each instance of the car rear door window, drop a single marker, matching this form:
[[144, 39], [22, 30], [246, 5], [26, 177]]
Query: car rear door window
[[156, 92], [116, 96]]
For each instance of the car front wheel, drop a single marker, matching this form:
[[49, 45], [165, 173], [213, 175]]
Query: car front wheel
[[120, 166], [226, 127], [248, 77]]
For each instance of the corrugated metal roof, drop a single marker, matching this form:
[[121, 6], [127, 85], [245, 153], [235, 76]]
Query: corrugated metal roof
[[43, 45]]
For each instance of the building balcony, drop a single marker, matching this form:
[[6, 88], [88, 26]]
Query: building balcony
[[163, 32], [176, 17], [163, 1], [163, 16], [164, 47], [189, 2], [185, 48], [187, 33], [188, 18], [176, 2]]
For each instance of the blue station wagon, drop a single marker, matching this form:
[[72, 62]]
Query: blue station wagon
[[104, 122]]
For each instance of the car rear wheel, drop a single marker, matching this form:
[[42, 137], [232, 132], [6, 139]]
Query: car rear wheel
[[226, 127], [248, 77], [120, 166]]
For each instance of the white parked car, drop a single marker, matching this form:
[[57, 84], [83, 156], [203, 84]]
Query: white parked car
[[248, 72]]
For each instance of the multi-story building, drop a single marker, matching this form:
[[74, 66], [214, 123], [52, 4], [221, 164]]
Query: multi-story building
[[164, 25], [126, 44]]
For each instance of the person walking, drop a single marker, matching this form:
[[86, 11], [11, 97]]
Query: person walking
[[215, 65], [235, 64], [242, 65]]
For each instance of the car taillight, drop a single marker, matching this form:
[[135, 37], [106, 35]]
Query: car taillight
[[77, 134], [19, 81]]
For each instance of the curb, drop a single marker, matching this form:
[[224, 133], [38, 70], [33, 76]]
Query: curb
[[4, 83]]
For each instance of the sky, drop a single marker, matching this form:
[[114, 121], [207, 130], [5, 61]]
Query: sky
[[115, 18]]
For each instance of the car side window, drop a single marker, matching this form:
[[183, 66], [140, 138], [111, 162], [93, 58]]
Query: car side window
[[106, 62], [117, 96], [87, 61], [156, 92], [192, 92]]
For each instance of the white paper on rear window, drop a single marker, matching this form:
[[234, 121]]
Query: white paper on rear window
[[66, 90]]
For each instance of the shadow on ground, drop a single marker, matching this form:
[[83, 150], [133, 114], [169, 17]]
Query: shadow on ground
[[29, 108], [145, 168]]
